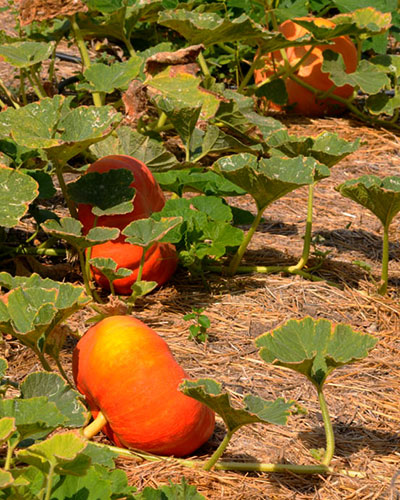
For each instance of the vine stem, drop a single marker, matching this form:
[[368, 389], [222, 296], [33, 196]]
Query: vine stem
[[330, 437], [218, 452], [385, 261], [63, 186], [203, 64], [242, 248], [8, 94], [95, 427], [49, 482], [85, 277], [84, 55], [307, 236], [141, 265]]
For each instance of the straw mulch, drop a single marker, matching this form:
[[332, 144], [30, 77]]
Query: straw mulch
[[363, 398]]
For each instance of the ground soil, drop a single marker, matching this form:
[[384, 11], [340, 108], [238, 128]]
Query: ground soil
[[363, 398]]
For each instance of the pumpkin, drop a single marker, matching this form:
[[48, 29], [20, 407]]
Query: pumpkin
[[300, 99], [149, 197], [127, 371], [160, 263]]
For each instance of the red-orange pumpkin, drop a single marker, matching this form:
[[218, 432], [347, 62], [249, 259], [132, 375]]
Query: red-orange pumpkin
[[300, 99], [127, 371], [149, 197], [160, 263]]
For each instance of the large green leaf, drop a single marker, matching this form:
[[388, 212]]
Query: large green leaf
[[256, 410], [109, 77], [7, 428], [59, 392], [24, 54], [197, 180], [18, 190], [313, 347], [182, 491], [268, 180], [70, 230], [126, 141], [110, 191], [61, 453], [51, 125], [145, 232], [380, 196], [327, 148], [185, 88], [33, 417], [367, 77]]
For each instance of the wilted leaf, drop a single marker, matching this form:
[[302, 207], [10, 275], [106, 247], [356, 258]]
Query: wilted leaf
[[313, 347], [18, 190], [157, 62], [40, 10], [257, 410]]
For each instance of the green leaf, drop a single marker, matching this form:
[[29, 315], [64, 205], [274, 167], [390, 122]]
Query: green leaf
[[367, 76], [109, 77], [141, 288], [257, 410], [7, 428], [197, 180], [51, 125], [269, 179], [313, 347], [25, 54], [18, 190], [63, 452], [59, 392], [126, 141], [34, 417], [70, 230], [108, 267], [45, 182], [28, 484], [185, 88], [214, 207], [182, 116], [380, 196], [108, 190], [326, 148], [182, 491], [145, 232]]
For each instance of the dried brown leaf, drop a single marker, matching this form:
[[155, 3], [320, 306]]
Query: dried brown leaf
[[40, 10], [184, 57]]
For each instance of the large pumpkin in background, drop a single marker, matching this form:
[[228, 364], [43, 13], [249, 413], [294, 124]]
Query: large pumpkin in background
[[127, 371], [300, 99], [149, 197]]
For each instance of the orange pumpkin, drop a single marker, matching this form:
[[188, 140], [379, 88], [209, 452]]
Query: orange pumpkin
[[160, 263], [300, 99], [127, 371], [149, 197]]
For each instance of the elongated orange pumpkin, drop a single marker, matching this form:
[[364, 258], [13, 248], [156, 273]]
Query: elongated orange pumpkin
[[127, 371], [160, 263], [149, 197], [300, 99]]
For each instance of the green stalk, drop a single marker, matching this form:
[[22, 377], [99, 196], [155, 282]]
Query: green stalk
[[330, 437], [141, 265], [49, 482], [63, 186], [218, 452], [85, 277], [38, 83], [10, 451], [9, 95], [250, 72], [385, 261], [241, 250], [34, 86], [307, 236], [84, 54], [203, 64], [95, 426]]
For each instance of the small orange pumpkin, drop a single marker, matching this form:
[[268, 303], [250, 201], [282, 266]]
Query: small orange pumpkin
[[300, 99], [127, 371]]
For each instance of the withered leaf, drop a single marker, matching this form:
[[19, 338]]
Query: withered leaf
[[184, 57], [40, 10]]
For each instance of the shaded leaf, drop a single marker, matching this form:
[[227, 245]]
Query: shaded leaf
[[313, 347], [18, 190], [380, 196]]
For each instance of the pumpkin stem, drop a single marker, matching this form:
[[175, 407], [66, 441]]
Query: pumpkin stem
[[95, 427]]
